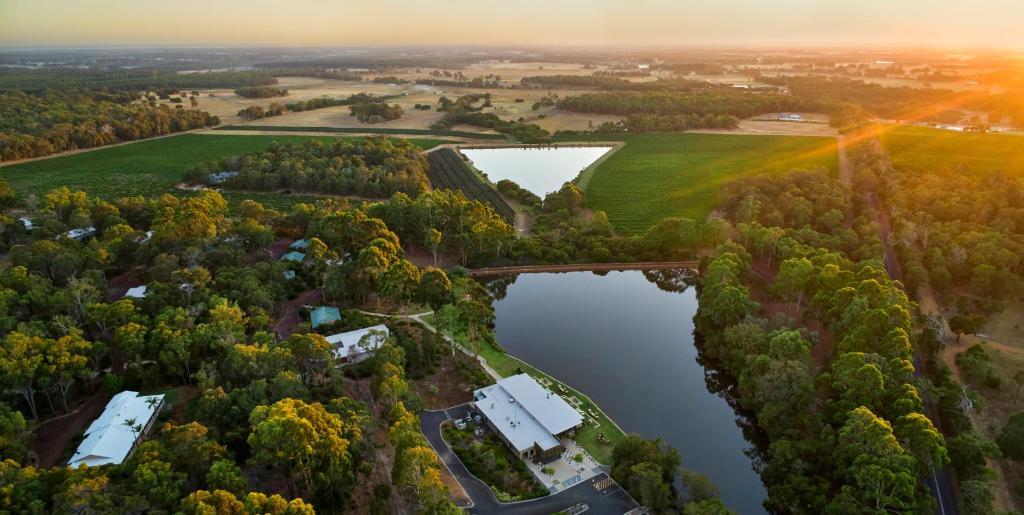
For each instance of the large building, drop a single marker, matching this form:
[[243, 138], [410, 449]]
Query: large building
[[529, 419], [112, 437]]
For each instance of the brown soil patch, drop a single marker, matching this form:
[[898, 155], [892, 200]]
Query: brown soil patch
[[423, 258], [451, 388], [54, 435], [120, 285], [290, 317], [765, 271]]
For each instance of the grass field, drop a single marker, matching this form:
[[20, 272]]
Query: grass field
[[655, 176], [926, 148], [148, 168]]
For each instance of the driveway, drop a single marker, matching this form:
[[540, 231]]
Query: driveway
[[610, 499]]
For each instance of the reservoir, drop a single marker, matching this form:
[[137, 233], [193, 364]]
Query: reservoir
[[540, 170], [628, 344]]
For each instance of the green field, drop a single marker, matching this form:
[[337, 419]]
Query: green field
[[149, 168], [922, 148], [655, 176]]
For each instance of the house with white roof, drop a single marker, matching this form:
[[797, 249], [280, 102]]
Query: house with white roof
[[80, 234], [138, 292], [530, 419], [347, 346], [122, 425]]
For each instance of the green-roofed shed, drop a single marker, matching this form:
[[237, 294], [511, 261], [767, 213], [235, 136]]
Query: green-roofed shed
[[293, 256], [324, 315]]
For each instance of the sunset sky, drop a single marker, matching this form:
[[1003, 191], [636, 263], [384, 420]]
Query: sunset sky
[[917, 23]]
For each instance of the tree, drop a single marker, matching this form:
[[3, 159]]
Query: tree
[[878, 473], [21, 361], [965, 324], [303, 442], [311, 352], [15, 436], [67, 361], [435, 288], [1011, 438], [400, 282], [476, 316], [433, 239], [793, 278], [226, 475], [447, 321]]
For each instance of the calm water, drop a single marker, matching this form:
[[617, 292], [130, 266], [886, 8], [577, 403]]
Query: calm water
[[538, 169], [628, 345]]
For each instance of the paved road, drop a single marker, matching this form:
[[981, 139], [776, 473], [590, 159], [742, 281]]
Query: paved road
[[613, 500]]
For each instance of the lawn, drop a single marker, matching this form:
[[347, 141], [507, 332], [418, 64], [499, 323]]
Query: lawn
[[655, 176], [148, 168], [921, 148]]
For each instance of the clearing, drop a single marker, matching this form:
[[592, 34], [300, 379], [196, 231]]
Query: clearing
[[655, 176], [918, 148]]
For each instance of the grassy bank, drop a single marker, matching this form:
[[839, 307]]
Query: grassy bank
[[664, 175]]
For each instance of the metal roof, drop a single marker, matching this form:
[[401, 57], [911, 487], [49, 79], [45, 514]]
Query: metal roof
[[324, 315], [525, 412], [347, 344], [108, 439]]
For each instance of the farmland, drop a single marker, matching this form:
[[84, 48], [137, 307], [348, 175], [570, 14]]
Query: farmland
[[146, 168], [926, 148], [655, 176], [449, 171]]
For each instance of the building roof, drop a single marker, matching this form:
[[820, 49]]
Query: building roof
[[222, 176], [525, 412], [347, 344], [137, 292], [108, 439], [27, 223], [76, 234], [297, 257], [299, 244], [324, 315], [289, 274]]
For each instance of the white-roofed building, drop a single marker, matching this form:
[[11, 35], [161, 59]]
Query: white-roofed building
[[123, 424], [138, 292], [530, 419], [347, 345]]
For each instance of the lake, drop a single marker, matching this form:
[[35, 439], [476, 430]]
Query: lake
[[629, 346], [541, 170]]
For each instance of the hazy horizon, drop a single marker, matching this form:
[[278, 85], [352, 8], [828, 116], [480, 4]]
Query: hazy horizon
[[912, 24]]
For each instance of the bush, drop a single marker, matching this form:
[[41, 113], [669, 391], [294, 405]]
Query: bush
[[1011, 438]]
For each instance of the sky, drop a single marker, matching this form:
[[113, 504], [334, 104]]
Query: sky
[[947, 24]]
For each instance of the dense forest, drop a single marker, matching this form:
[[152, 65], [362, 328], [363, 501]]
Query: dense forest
[[271, 425], [370, 167], [737, 103], [33, 125], [962, 233], [840, 407], [39, 80]]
